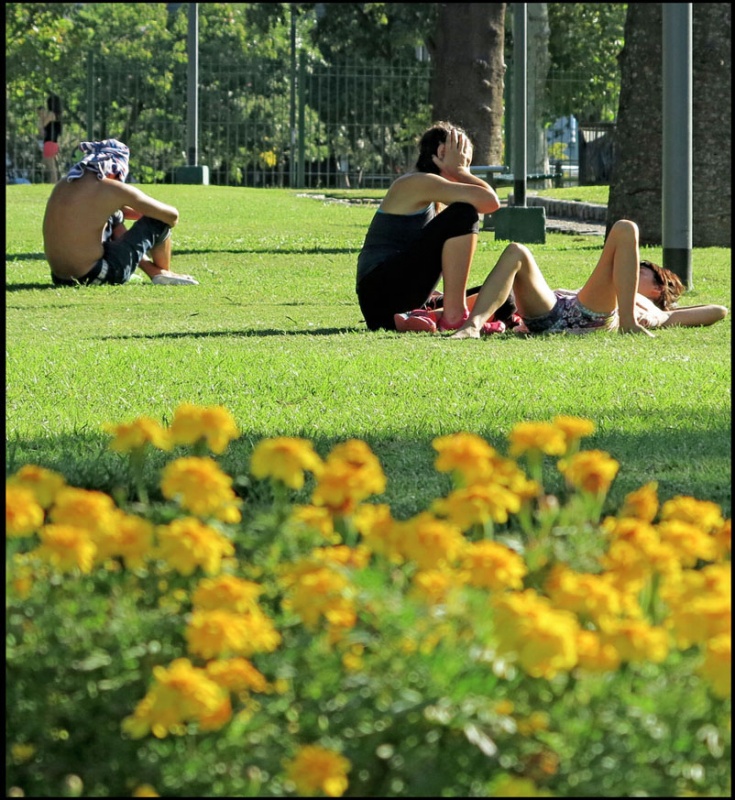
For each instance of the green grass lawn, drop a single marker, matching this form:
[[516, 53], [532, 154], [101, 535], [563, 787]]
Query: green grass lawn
[[274, 334]]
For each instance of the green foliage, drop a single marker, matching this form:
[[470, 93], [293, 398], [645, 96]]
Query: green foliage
[[586, 40]]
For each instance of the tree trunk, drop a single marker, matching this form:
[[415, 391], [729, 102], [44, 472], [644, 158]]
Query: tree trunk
[[468, 74], [636, 182]]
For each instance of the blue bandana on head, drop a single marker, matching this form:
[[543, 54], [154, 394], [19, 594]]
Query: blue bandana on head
[[106, 158]]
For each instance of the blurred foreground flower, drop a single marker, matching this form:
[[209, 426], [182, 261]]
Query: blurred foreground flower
[[286, 460], [210, 425], [202, 488], [318, 771]]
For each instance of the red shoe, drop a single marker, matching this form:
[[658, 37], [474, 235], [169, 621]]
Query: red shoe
[[414, 321], [443, 326], [492, 327]]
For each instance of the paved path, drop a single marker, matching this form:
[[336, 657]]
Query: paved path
[[579, 219]]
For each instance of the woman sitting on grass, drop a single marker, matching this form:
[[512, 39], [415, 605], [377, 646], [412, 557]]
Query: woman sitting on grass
[[623, 293], [425, 229]]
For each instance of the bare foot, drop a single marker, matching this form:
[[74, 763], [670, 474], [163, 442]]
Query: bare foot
[[167, 278], [636, 328], [466, 333]]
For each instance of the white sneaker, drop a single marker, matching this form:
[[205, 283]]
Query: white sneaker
[[173, 279]]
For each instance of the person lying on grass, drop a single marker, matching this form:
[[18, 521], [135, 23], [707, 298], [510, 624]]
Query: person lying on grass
[[622, 293], [425, 229], [84, 236]]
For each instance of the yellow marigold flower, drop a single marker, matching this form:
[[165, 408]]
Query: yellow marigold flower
[[236, 675], [382, 534], [574, 428], [21, 575], [699, 602], [181, 693], [434, 586], [22, 752], [145, 790], [466, 454], [44, 483], [689, 541], [543, 638], [592, 471], [135, 435], [82, 508], [218, 633], [702, 513], [201, 487], [588, 595], [285, 459], [642, 503], [594, 654], [129, 537], [318, 771], [213, 424], [504, 707], [635, 640], [716, 668], [543, 437], [23, 514], [228, 593], [350, 474], [316, 519], [342, 555], [317, 592], [66, 548], [493, 566], [477, 504], [352, 660], [627, 566], [723, 539], [431, 542], [186, 544]]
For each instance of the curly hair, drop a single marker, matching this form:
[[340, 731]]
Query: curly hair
[[671, 287], [429, 145]]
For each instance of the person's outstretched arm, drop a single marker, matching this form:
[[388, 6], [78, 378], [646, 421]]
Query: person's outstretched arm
[[651, 316]]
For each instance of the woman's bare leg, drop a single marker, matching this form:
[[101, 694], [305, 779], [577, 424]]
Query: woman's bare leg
[[614, 281], [457, 258], [515, 271]]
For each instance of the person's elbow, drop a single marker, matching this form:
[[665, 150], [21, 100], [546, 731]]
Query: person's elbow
[[719, 313], [489, 205], [173, 218]]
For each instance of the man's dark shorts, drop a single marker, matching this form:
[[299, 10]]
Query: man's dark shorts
[[122, 256]]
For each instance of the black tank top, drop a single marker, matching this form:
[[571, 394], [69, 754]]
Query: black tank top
[[388, 235]]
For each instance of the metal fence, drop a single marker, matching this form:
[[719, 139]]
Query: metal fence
[[261, 122]]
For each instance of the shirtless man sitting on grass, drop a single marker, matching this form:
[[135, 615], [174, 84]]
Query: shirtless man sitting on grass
[[84, 238]]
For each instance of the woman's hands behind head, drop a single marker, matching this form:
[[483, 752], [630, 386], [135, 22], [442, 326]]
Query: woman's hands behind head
[[454, 155]]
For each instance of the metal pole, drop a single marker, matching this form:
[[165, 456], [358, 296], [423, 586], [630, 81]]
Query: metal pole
[[520, 168], [292, 122], [192, 115], [676, 200]]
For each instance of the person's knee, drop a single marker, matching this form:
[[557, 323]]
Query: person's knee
[[519, 252], [625, 228]]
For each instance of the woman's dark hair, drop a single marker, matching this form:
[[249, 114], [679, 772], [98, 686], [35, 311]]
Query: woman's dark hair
[[429, 144], [671, 286], [53, 103]]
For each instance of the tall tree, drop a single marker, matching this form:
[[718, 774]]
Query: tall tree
[[636, 183], [468, 75]]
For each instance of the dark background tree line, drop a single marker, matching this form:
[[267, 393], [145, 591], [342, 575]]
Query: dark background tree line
[[617, 46]]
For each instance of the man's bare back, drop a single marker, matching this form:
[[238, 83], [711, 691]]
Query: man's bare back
[[76, 215]]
